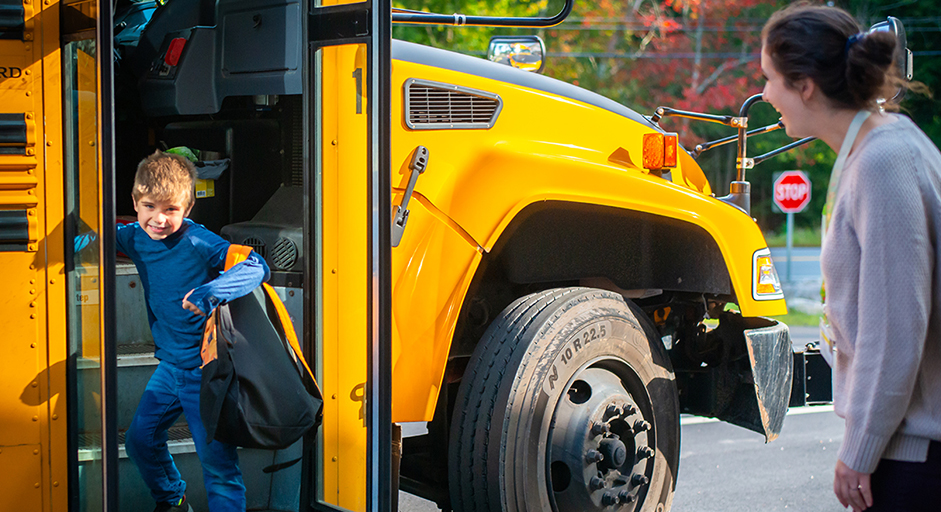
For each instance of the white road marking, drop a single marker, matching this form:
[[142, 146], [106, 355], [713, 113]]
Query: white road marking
[[783, 259], [794, 411]]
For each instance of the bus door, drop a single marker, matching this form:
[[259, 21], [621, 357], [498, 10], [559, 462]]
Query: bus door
[[350, 69], [86, 160]]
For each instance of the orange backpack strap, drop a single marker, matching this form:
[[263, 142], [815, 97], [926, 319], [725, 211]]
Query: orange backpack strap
[[237, 254], [289, 332]]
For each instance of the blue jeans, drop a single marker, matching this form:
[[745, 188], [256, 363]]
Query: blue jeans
[[170, 392]]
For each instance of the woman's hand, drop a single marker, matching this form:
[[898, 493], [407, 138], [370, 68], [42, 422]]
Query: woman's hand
[[852, 488], [190, 306]]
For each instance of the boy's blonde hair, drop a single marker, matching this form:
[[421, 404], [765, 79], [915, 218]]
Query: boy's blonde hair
[[165, 177]]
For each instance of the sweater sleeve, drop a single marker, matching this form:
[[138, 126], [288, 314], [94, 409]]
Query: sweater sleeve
[[894, 301], [232, 284]]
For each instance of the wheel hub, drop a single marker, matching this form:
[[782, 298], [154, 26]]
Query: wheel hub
[[600, 446]]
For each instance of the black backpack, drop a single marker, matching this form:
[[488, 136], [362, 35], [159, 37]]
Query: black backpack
[[257, 389]]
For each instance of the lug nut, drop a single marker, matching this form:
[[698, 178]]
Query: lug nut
[[599, 429], [629, 409], [612, 410], [609, 498], [638, 480], [593, 456], [626, 497], [596, 483], [644, 452], [641, 426]]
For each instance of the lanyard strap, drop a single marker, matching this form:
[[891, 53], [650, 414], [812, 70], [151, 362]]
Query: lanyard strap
[[837, 171], [826, 331]]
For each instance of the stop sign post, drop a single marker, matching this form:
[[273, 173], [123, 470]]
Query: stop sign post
[[791, 195]]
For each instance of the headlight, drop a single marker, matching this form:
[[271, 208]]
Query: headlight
[[765, 284]]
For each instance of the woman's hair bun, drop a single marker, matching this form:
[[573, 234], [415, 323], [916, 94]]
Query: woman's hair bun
[[868, 64]]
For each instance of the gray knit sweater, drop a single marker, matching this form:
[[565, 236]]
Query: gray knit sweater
[[882, 271]]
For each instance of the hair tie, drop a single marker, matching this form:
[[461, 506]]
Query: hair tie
[[851, 40]]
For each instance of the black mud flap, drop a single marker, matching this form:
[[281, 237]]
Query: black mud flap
[[745, 377]]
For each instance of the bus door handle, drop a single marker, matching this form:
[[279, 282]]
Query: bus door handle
[[400, 216]]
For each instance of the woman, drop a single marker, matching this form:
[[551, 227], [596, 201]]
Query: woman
[[880, 260]]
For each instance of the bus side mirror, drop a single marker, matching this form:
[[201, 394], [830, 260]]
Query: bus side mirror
[[521, 52], [903, 56]]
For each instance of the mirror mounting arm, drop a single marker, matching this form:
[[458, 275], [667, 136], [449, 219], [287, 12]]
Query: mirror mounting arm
[[740, 190], [458, 20]]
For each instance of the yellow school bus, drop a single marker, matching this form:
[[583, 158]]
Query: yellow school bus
[[500, 278]]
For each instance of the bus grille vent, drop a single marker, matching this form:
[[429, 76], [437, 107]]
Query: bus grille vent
[[438, 106], [284, 254], [257, 245]]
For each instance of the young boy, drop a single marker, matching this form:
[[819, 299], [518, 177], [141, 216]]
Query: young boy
[[180, 265]]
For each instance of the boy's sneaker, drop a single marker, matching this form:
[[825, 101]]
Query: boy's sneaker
[[182, 506]]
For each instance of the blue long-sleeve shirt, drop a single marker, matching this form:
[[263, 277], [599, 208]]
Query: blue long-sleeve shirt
[[192, 258]]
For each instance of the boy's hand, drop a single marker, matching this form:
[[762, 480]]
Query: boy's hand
[[190, 306]]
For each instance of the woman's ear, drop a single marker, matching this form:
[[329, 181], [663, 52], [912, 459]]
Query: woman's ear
[[806, 87]]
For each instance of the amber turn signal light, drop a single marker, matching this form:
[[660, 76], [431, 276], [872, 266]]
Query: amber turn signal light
[[660, 150]]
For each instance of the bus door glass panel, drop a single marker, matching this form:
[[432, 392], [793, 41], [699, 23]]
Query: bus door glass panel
[[342, 336], [82, 224]]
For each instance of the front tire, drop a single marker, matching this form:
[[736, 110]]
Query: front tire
[[567, 404]]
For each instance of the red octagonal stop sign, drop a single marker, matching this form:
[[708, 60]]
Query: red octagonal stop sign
[[792, 191]]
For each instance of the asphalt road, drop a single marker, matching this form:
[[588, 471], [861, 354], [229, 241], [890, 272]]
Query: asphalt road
[[805, 263], [724, 468], [729, 469]]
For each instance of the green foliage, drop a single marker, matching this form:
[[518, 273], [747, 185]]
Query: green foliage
[[799, 319], [802, 237], [469, 40]]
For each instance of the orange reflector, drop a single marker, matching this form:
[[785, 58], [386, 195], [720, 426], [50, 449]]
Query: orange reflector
[[669, 149], [653, 151], [660, 150]]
